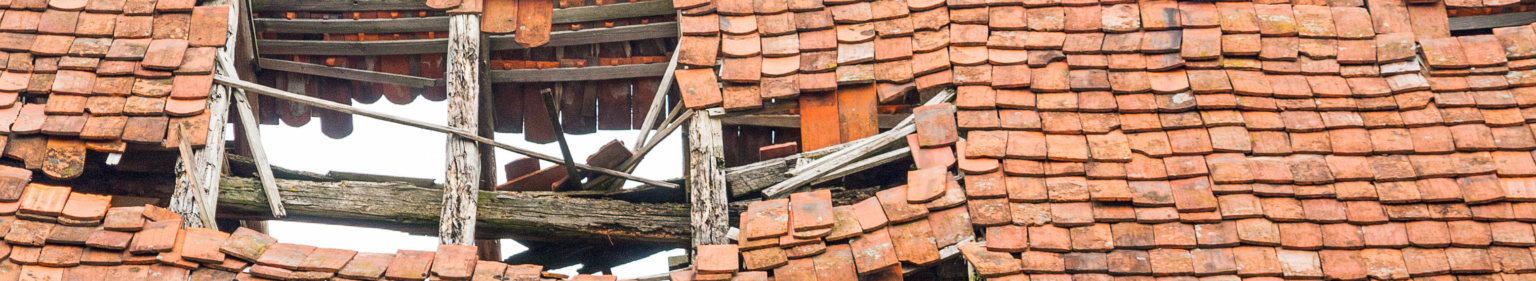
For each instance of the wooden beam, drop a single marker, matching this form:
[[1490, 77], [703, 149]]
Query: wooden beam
[[462, 182], [316, 102], [613, 11], [657, 105], [594, 36], [887, 121], [208, 161], [351, 48], [404, 207], [338, 6], [259, 153], [706, 181], [591, 73], [440, 23], [347, 26], [1492, 21], [426, 46], [348, 73]]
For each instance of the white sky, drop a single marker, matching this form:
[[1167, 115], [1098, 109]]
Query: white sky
[[380, 147]]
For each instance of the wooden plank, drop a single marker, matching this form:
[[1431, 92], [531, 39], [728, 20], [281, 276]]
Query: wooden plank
[[259, 154], [613, 11], [440, 23], [344, 48], [347, 73], [856, 111], [706, 182], [323, 26], [415, 210], [462, 179], [337, 6], [887, 121], [594, 35], [1492, 21], [440, 45], [578, 73], [818, 118], [350, 176]]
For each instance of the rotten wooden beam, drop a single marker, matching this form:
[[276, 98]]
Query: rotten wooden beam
[[404, 207], [208, 162], [706, 181], [462, 182]]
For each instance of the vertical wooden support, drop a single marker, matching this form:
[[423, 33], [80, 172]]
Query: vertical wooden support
[[706, 181], [487, 119], [208, 161], [463, 178]]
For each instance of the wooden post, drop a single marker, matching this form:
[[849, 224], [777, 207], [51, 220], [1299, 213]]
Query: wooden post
[[706, 181], [463, 178], [208, 162]]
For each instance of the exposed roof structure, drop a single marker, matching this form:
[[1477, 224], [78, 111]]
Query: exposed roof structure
[[54, 234]]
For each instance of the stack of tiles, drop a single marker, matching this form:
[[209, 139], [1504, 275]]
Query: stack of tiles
[[100, 74], [1339, 140], [52, 233]]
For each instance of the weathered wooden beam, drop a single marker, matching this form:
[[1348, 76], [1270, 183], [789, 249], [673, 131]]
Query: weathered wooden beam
[[746, 179], [591, 73], [404, 207], [356, 48], [657, 105], [440, 23], [348, 73], [462, 182], [316, 102], [347, 26], [338, 6], [426, 46], [1492, 21], [258, 152], [706, 181], [594, 36], [887, 121], [613, 11], [208, 161]]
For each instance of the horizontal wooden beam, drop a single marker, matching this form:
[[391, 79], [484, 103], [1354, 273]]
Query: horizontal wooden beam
[[427, 46], [1492, 21], [613, 11], [347, 73], [594, 36], [407, 25], [578, 73], [887, 121], [351, 48], [337, 6], [401, 206], [320, 26]]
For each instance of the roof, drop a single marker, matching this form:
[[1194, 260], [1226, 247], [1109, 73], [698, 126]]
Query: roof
[[99, 75], [52, 233], [1133, 140]]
